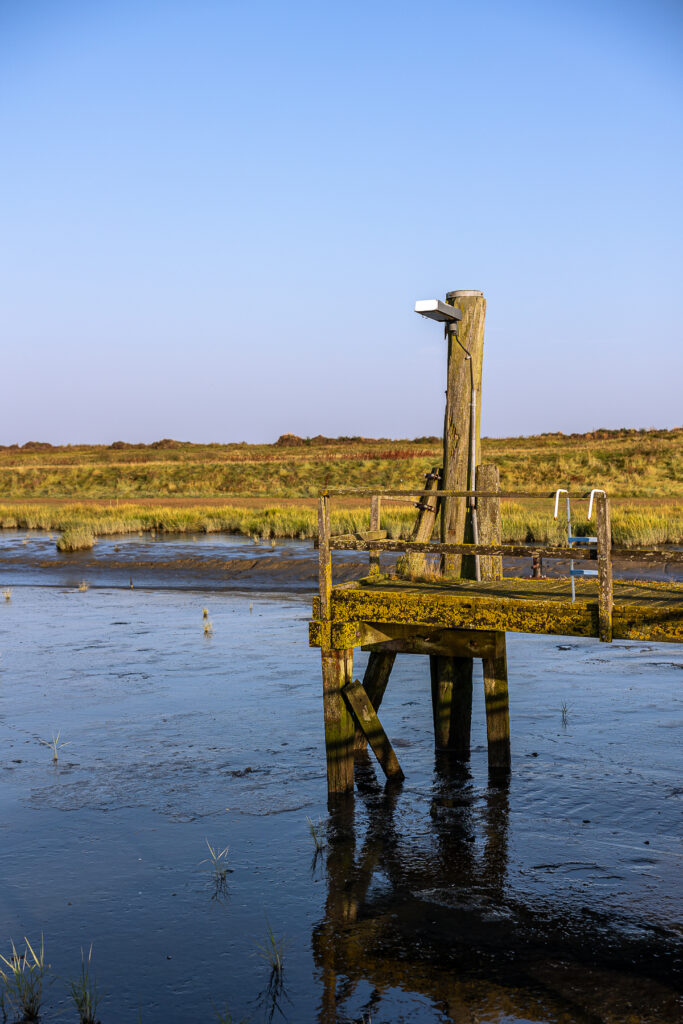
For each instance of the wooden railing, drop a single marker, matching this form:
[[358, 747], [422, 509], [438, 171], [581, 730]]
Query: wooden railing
[[375, 541]]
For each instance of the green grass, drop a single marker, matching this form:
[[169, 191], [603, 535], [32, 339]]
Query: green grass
[[84, 992], [22, 976], [78, 537], [627, 463], [631, 526]]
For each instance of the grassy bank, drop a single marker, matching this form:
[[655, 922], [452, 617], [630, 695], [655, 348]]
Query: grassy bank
[[626, 463], [80, 524]]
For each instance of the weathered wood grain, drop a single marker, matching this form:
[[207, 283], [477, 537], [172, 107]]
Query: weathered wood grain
[[366, 717]]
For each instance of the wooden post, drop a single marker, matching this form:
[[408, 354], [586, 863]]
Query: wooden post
[[605, 590], [452, 682], [367, 719], [452, 704], [377, 672], [324, 556], [495, 667], [413, 564], [497, 713], [488, 513], [463, 372], [339, 724], [373, 568]]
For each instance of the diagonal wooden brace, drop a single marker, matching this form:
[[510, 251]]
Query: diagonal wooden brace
[[361, 707]]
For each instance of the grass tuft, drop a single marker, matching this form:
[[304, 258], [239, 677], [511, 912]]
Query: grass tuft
[[23, 976], [78, 537], [318, 830], [7, 593], [55, 746], [84, 992], [218, 859], [272, 951]]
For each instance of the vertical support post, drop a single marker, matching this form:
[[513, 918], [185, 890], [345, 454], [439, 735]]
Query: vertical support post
[[605, 587], [452, 704], [324, 556], [497, 713], [337, 666], [490, 531], [339, 725], [452, 677], [412, 564], [377, 672], [464, 374], [375, 509]]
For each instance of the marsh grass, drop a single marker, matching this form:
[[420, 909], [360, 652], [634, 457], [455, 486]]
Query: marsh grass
[[208, 628], [318, 830], [84, 991], [7, 593], [564, 710], [218, 859], [78, 537], [55, 746], [627, 462], [272, 950], [528, 522], [83, 586], [23, 978]]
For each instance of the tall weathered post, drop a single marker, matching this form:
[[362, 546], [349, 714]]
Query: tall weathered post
[[463, 395], [452, 677]]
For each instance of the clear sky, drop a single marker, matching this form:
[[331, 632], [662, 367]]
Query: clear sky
[[215, 217]]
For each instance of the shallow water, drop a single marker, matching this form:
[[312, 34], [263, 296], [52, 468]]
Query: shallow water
[[554, 899]]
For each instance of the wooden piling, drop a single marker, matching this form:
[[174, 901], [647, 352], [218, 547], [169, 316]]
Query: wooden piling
[[605, 585], [375, 508], [497, 713], [462, 373], [377, 672], [413, 564], [451, 680], [488, 514], [324, 556], [369, 723], [339, 724]]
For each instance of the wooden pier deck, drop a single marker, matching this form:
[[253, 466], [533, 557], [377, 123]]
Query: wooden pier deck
[[645, 611], [463, 608]]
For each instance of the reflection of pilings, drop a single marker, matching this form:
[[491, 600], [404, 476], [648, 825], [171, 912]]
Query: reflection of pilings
[[446, 927], [340, 862]]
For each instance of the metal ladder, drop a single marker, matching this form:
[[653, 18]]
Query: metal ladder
[[577, 541]]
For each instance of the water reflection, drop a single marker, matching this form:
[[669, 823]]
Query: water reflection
[[426, 909]]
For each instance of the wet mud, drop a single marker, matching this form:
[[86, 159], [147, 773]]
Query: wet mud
[[230, 562], [556, 898]]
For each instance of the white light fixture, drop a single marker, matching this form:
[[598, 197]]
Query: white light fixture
[[435, 309]]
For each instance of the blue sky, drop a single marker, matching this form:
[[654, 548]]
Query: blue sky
[[216, 216]]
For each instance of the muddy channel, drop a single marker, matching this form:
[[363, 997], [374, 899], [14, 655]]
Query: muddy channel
[[553, 899]]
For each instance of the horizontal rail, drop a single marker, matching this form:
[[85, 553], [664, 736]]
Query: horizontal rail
[[346, 542], [422, 493]]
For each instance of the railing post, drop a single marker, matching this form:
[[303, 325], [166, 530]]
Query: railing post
[[375, 500], [605, 589], [324, 556]]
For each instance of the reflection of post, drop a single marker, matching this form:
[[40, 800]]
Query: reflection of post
[[340, 860], [496, 820]]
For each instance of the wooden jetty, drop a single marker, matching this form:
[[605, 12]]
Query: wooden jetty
[[462, 608]]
